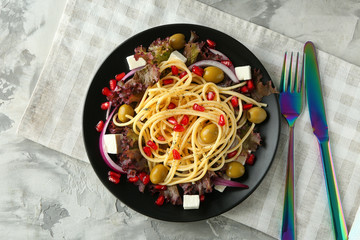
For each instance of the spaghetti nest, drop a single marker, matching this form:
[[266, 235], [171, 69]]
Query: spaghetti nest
[[151, 122]]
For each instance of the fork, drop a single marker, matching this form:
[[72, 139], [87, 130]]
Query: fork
[[291, 94]]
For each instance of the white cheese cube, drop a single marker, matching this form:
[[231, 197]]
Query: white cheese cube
[[221, 188], [191, 202], [177, 55], [135, 64], [243, 72], [112, 143]]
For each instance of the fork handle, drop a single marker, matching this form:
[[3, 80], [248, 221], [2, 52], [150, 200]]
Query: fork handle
[[288, 224], [337, 214]]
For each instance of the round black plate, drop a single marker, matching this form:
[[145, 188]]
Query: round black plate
[[216, 203]]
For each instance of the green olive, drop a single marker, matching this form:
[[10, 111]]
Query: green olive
[[209, 133], [235, 170], [125, 110], [256, 114], [177, 41], [213, 74], [158, 174]]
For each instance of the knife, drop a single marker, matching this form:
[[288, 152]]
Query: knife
[[320, 128]]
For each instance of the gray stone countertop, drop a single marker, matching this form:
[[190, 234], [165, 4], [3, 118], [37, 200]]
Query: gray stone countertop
[[45, 194]]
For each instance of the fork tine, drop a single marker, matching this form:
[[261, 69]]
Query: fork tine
[[301, 87], [289, 74], [296, 77], [283, 75]]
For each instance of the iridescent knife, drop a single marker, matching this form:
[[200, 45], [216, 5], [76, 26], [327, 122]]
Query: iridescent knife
[[320, 128]]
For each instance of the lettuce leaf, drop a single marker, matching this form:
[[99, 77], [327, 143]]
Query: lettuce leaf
[[261, 89], [192, 51], [253, 140], [133, 90], [158, 51], [195, 51], [141, 52], [161, 49]]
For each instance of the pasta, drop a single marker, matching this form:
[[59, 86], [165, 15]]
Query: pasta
[[190, 112]]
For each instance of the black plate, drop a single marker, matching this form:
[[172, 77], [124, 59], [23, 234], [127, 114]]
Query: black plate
[[216, 203]]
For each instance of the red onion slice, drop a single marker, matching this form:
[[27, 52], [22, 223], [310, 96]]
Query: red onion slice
[[223, 56], [132, 72], [225, 69], [228, 183], [108, 111], [103, 152]]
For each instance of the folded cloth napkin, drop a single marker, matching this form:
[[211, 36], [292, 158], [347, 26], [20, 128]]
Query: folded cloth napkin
[[90, 29]]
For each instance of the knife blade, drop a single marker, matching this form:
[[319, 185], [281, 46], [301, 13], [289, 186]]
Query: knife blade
[[320, 127]]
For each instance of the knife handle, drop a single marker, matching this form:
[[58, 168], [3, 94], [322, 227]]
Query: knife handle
[[336, 211]]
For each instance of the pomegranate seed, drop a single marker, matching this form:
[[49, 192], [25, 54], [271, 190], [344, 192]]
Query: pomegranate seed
[[171, 106], [179, 128], [210, 96], [250, 85], [147, 151], [145, 178], [234, 101], [120, 76], [232, 154], [112, 84], [176, 154], [250, 160], [114, 174], [185, 120], [174, 70], [133, 179], [247, 106], [244, 89], [202, 198], [172, 120], [114, 179], [141, 175], [197, 107], [221, 120], [160, 200], [152, 145], [161, 138], [227, 63], [182, 74], [198, 70], [99, 127], [168, 81], [106, 91], [210, 43], [160, 187], [105, 105]]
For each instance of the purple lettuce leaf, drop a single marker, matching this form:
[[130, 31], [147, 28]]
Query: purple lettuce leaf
[[134, 89], [261, 89]]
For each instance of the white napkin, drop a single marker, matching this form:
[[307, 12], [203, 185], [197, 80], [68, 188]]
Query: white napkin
[[90, 29]]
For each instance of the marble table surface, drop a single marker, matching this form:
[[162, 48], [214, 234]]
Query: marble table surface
[[45, 194]]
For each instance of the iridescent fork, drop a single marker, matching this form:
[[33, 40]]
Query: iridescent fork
[[291, 94]]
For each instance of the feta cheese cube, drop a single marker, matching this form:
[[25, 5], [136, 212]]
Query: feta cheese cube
[[112, 143], [177, 55], [221, 188], [191, 202], [243, 72], [135, 64]]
